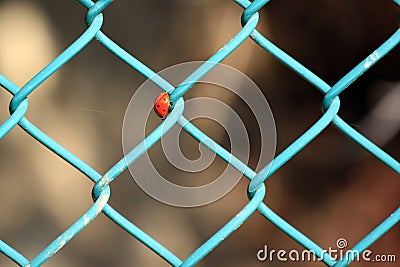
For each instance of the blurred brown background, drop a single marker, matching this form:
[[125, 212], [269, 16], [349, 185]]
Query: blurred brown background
[[330, 190]]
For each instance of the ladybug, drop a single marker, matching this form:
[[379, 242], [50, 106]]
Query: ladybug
[[162, 105]]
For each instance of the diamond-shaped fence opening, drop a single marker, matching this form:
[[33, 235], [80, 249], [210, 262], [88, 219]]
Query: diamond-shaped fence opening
[[265, 199]]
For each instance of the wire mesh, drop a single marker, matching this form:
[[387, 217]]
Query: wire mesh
[[256, 189]]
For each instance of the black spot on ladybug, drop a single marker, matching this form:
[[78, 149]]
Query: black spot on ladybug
[[158, 106]]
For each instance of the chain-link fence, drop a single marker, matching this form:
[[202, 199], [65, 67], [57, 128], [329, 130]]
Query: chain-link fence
[[256, 189]]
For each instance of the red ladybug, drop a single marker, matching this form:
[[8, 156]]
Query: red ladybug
[[162, 105]]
